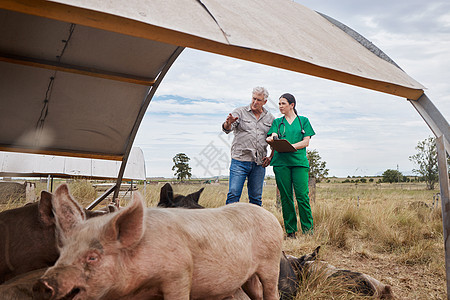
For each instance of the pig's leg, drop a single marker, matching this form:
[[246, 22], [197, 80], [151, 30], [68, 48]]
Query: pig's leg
[[178, 289], [253, 288], [175, 294], [269, 281]]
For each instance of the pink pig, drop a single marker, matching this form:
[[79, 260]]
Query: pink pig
[[159, 253]]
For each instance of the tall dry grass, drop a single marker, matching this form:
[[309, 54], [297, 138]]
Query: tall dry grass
[[371, 227], [81, 189], [387, 231]]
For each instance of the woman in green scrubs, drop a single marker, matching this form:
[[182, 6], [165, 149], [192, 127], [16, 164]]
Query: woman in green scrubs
[[291, 168]]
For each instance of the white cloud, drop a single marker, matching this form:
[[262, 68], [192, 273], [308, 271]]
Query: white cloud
[[444, 20], [174, 107], [370, 22], [359, 132]]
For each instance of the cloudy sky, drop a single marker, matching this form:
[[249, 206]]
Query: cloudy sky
[[359, 132]]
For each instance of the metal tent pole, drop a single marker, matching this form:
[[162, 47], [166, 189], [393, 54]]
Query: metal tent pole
[[144, 106], [445, 204], [48, 184], [440, 128], [101, 198]]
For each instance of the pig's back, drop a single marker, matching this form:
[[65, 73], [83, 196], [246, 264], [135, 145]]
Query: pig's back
[[224, 245], [225, 223]]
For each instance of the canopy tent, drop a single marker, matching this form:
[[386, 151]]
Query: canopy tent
[[81, 73], [78, 75], [14, 164]]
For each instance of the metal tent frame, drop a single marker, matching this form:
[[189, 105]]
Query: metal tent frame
[[90, 68]]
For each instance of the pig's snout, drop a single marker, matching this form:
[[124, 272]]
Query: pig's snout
[[42, 290], [46, 290]]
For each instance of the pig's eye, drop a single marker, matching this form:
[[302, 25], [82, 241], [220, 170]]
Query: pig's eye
[[92, 258]]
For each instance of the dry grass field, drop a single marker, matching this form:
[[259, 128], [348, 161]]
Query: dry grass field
[[388, 231], [394, 235]]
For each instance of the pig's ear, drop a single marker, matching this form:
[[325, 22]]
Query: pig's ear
[[299, 262], [315, 253], [196, 195], [45, 209], [166, 196], [68, 213], [128, 225]]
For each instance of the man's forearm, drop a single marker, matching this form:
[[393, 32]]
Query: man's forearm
[[225, 129], [226, 126]]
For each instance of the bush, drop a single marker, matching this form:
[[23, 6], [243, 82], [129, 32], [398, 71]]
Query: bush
[[393, 176]]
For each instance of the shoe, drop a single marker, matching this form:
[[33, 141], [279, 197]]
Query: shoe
[[291, 235]]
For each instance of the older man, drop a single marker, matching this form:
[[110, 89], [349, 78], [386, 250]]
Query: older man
[[250, 125]]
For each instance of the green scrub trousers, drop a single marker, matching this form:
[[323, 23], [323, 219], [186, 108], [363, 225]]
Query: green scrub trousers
[[297, 178], [291, 172]]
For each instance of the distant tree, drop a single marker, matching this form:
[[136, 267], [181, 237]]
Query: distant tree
[[181, 166], [317, 168], [426, 160], [392, 176]]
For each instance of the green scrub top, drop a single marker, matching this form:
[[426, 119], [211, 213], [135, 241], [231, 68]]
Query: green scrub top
[[292, 133]]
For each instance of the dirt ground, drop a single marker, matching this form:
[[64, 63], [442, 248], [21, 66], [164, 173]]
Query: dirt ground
[[407, 282]]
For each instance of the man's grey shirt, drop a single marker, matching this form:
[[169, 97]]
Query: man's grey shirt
[[249, 143]]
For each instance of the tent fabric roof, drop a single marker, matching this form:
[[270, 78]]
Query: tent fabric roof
[[268, 31], [71, 89], [36, 165], [79, 70]]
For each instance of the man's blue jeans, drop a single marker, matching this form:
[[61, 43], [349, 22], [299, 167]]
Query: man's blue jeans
[[241, 170]]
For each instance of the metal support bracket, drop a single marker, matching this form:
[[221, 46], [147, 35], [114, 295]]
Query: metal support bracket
[[434, 119]]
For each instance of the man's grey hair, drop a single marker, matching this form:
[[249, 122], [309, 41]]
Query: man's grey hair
[[261, 90]]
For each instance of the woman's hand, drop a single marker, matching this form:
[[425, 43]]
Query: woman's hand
[[269, 139]]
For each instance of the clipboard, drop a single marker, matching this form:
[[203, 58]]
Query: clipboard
[[282, 145]]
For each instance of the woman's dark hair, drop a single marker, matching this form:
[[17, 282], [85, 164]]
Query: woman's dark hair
[[290, 98]]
